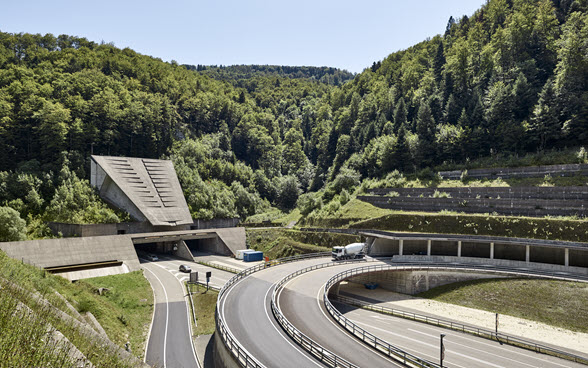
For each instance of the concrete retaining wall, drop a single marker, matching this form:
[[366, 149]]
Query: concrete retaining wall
[[74, 251], [520, 172], [559, 193], [83, 230], [418, 281], [517, 207], [497, 262], [223, 358]]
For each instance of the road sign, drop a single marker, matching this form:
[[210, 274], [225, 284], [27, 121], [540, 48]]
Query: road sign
[[194, 277], [208, 274]]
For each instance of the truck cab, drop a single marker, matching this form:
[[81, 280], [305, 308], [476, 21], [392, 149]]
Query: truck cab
[[338, 252]]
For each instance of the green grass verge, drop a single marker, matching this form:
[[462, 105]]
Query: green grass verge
[[125, 310], [279, 243], [20, 282], [552, 157], [353, 211], [204, 304], [480, 224], [556, 303]]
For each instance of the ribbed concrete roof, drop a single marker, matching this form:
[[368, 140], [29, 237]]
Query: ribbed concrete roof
[[147, 189]]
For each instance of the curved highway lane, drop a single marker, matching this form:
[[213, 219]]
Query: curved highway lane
[[246, 310], [301, 301], [461, 350]]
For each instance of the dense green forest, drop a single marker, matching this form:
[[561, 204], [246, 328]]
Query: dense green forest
[[512, 78], [236, 73]]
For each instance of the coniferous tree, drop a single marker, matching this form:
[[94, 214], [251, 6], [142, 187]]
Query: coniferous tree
[[400, 154], [545, 126], [425, 129], [400, 115]]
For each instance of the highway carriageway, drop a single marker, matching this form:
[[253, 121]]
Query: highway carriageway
[[246, 320]]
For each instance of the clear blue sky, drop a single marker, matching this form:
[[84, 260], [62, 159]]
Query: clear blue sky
[[341, 33]]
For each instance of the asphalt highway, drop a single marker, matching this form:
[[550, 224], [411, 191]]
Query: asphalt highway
[[246, 310], [461, 350], [301, 302], [170, 344]]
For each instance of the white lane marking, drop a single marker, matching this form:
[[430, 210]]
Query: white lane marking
[[285, 338], [430, 345], [514, 351], [464, 336], [151, 325], [189, 325], [227, 326], [166, 317], [472, 348], [345, 332]]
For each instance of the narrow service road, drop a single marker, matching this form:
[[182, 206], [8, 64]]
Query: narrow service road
[[170, 343]]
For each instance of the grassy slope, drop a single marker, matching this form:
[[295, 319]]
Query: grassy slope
[[278, 243], [129, 292], [125, 310], [557, 303], [204, 304]]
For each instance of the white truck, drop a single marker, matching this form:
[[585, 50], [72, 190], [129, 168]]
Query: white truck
[[350, 251]]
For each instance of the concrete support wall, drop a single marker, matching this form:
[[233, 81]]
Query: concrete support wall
[[74, 251], [223, 358], [214, 223], [526, 253], [182, 251], [208, 245], [498, 262], [414, 282], [383, 246]]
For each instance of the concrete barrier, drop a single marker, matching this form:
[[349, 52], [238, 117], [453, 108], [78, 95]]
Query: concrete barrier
[[515, 207], [520, 172], [412, 282]]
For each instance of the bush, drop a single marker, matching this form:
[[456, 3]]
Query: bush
[[288, 192], [309, 202], [12, 227], [583, 155], [344, 197]]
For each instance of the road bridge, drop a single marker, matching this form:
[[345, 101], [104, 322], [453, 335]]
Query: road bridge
[[251, 331]]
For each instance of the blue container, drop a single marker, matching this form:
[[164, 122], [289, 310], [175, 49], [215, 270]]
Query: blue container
[[253, 256]]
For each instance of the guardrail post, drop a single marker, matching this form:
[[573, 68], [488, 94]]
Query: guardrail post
[[400, 246], [459, 248], [567, 257], [527, 253], [429, 247], [492, 250]]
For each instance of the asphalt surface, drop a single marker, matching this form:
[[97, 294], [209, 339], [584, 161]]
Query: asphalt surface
[[170, 344], [246, 310], [461, 350], [301, 302]]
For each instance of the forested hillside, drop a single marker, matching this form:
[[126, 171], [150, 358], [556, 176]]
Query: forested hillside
[[511, 78], [235, 73]]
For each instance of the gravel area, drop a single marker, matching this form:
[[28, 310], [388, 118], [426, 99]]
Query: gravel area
[[524, 328]]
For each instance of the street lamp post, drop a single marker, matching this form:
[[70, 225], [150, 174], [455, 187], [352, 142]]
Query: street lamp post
[[442, 351]]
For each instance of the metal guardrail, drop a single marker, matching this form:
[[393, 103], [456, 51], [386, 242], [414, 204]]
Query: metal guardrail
[[219, 267], [240, 353], [246, 360], [389, 349], [383, 346], [456, 326], [324, 355]]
